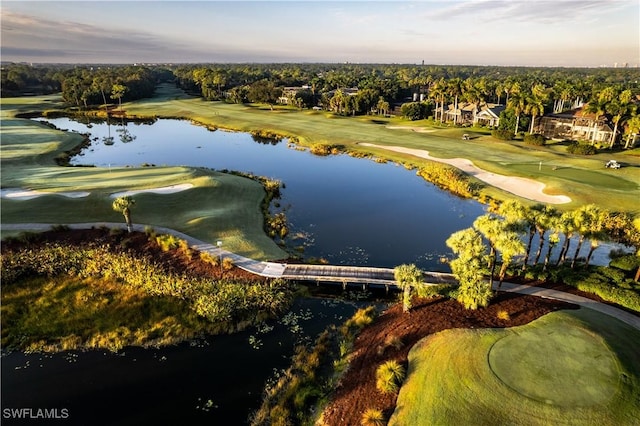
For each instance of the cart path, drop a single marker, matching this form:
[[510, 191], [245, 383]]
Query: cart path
[[341, 274]]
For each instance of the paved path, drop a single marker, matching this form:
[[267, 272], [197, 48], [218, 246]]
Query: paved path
[[344, 274]]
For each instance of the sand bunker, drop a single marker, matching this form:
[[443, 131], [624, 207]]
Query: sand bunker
[[522, 187], [164, 190], [27, 194]]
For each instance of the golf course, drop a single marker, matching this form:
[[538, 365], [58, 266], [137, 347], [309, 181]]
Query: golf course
[[566, 367]]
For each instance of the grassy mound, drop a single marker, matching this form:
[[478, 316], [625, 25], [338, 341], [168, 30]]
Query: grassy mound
[[571, 367]]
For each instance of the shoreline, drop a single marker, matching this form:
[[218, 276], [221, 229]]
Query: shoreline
[[522, 187]]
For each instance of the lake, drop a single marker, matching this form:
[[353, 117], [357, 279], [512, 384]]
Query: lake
[[344, 209]]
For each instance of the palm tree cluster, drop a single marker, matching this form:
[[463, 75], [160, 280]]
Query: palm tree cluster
[[506, 237]]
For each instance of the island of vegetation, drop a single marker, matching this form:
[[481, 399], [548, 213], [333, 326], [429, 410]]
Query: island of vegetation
[[108, 289]]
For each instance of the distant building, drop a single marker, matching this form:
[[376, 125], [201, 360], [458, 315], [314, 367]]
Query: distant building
[[468, 113], [576, 124]]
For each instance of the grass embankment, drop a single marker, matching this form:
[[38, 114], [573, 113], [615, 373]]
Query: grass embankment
[[64, 296], [584, 179], [570, 367], [218, 206]]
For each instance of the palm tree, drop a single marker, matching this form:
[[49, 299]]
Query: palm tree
[[619, 109], [123, 205], [510, 245], [491, 228], [518, 104], [535, 107], [567, 226], [586, 220], [117, 92], [545, 221], [407, 277], [455, 89]]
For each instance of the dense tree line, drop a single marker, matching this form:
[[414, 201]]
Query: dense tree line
[[84, 85], [353, 89]]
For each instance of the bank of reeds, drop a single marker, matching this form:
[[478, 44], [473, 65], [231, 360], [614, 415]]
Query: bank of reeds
[[299, 394], [449, 179], [226, 305]]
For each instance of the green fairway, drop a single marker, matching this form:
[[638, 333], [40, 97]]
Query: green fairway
[[571, 367], [217, 207], [583, 178]]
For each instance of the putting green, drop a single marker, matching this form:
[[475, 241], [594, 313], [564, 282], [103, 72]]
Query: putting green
[[549, 365]]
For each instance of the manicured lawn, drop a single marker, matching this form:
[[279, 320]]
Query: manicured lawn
[[218, 206], [569, 367], [583, 178]]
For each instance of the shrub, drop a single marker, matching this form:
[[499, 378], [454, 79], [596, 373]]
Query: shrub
[[627, 262], [503, 134], [448, 178], [372, 417], [578, 148], [536, 140], [503, 315], [227, 263], [168, 242], [326, 149], [389, 377]]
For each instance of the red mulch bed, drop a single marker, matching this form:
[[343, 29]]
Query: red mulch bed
[[358, 388]]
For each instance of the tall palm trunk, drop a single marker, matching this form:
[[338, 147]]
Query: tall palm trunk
[[517, 124], [532, 232], [575, 255], [565, 249], [547, 258], [127, 218], [594, 246], [539, 251]]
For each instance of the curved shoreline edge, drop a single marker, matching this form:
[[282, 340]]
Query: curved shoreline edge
[[522, 187]]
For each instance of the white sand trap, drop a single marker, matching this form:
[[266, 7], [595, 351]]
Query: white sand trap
[[27, 194], [164, 190], [413, 129], [522, 187]]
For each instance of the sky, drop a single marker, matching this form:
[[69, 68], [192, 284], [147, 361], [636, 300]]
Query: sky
[[569, 33]]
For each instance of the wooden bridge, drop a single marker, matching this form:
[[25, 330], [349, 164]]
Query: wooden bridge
[[336, 274]]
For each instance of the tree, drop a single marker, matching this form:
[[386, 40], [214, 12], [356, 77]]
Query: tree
[[264, 91], [469, 268], [491, 228], [517, 103], [586, 219], [117, 92], [535, 107], [408, 277], [123, 205]]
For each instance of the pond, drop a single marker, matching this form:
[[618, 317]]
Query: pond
[[346, 210], [217, 380]]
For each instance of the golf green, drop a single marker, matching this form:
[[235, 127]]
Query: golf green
[[550, 365]]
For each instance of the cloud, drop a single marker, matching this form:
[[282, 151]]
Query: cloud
[[545, 11], [27, 38]]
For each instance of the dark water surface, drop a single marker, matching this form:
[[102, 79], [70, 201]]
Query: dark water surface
[[347, 210], [214, 381]]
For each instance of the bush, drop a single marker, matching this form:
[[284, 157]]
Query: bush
[[372, 417], [323, 149], [578, 148], [536, 140], [503, 134], [449, 178], [389, 377], [627, 262]]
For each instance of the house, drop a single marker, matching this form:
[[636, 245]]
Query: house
[[289, 93], [468, 113], [576, 124]]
